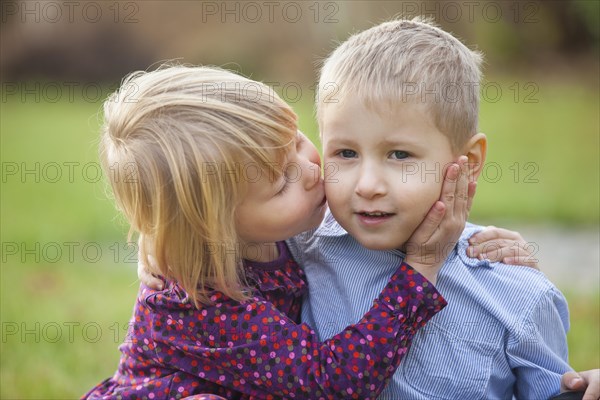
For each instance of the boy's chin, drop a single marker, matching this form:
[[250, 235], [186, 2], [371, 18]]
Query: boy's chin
[[381, 245]]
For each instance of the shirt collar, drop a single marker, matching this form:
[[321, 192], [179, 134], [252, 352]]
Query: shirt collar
[[330, 227]]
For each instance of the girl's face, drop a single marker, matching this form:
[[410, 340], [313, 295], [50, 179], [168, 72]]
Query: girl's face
[[278, 208]]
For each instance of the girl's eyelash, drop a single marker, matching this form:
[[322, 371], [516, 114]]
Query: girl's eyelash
[[283, 189]]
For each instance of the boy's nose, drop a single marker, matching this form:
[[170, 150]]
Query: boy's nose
[[370, 183]]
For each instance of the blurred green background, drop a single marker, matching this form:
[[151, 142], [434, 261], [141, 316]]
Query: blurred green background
[[68, 278]]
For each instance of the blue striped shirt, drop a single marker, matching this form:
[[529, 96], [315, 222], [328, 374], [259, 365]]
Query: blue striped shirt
[[502, 334]]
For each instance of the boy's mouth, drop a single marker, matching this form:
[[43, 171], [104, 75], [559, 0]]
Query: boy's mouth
[[373, 217], [374, 214]]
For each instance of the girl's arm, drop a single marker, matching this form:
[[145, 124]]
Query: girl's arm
[[256, 350]]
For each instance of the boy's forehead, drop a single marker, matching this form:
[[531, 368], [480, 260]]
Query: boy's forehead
[[353, 108], [387, 124]]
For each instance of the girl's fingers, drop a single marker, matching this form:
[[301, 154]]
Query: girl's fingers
[[429, 225], [514, 254], [461, 195], [471, 194], [493, 245], [448, 196], [522, 260], [500, 253], [492, 233], [499, 246]]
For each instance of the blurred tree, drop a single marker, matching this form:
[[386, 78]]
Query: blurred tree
[[42, 47]]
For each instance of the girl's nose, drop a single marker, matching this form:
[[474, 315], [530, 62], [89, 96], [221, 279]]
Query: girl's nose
[[309, 156]]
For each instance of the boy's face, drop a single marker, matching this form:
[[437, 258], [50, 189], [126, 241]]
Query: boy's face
[[382, 172]]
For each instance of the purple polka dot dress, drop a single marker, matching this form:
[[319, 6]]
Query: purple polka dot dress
[[258, 349]]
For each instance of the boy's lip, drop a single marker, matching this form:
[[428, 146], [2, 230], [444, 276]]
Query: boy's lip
[[373, 217], [372, 212]]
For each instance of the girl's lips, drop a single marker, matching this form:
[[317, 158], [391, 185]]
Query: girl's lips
[[323, 201]]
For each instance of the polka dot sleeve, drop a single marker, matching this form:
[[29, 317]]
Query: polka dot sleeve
[[256, 350]]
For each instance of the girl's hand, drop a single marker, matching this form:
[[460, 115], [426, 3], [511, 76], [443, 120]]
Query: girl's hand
[[497, 244], [144, 274], [580, 381], [432, 241]]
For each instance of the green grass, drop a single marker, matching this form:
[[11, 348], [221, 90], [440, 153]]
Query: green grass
[[56, 191], [546, 153], [559, 134], [61, 326]]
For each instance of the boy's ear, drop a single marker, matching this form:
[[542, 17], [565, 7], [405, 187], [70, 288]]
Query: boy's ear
[[476, 150]]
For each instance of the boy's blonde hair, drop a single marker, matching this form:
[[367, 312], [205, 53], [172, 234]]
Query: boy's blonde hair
[[407, 61], [175, 145]]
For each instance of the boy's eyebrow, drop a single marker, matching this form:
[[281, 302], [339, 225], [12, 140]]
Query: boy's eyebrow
[[341, 141], [389, 142], [393, 142]]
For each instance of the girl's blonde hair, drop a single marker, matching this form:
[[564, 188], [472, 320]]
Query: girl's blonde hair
[[175, 145], [407, 61]]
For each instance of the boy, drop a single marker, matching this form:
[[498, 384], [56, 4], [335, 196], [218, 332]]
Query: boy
[[396, 104]]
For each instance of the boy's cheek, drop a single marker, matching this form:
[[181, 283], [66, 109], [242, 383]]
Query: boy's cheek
[[422, 188], [336, 195], [337, 182], [424, 172], [330, 169], [418, 198]]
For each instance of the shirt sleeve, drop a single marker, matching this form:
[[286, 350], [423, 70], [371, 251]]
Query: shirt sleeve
[[537, 350], [254, 349]]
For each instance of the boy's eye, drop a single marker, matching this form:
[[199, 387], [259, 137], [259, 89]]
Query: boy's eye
[[399, 155], [347, 153]]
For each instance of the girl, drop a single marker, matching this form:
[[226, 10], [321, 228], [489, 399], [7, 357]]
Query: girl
[[210, 169]]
